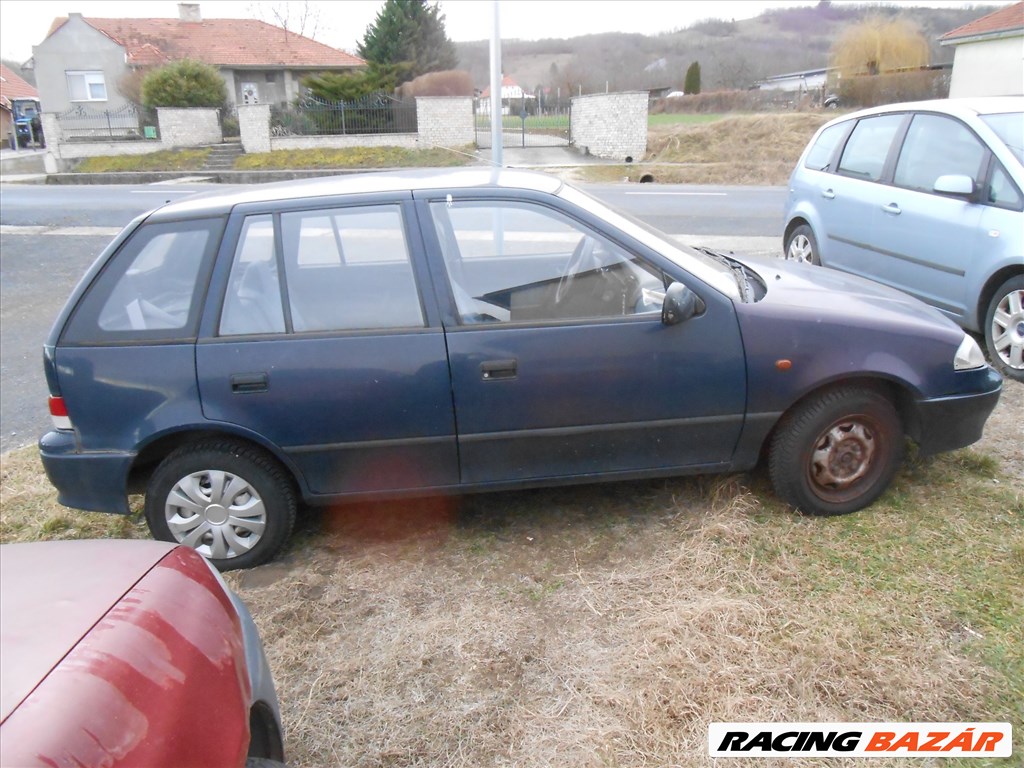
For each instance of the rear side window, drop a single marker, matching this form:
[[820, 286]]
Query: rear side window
[[868, 147], [345, 269], [150, 289], [820, 155], [936, 146]]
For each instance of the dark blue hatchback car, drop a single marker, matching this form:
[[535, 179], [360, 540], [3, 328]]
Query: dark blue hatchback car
[[435, 332]]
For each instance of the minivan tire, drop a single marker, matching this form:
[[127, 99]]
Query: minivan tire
[[231, 502], [1007, 354], [802, 246], [837, 452]]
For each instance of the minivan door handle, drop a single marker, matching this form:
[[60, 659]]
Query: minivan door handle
[[892, 208], [245, 383], [828, 194], [498, 369]]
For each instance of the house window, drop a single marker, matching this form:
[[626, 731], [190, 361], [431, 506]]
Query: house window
[[86, 86]]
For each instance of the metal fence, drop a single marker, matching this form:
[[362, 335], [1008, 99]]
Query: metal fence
[[375, 114], [81, 123]]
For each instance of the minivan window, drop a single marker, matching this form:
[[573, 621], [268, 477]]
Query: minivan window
[[1002, 192], [936, 146], [820, 155], [866, 151], [1009, 126], [148, 290]]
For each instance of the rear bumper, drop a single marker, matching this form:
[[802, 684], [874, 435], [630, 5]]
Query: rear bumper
[[96, 482], [948, 423]]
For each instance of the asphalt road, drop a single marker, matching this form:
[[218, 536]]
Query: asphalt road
[[50, 234]]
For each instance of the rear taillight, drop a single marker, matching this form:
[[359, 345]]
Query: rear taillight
[[59, 413]]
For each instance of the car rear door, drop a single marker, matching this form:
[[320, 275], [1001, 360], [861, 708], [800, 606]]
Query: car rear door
[[318, 341], [561, 366]]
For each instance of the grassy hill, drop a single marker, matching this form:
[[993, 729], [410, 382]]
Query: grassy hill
[[732, 54]]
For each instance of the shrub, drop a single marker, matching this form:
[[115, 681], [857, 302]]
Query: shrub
[[184, 83], [451, 82], [873, 91]]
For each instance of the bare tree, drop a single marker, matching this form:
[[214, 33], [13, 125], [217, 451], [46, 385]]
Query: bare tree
[[878, 44], [299, 18]]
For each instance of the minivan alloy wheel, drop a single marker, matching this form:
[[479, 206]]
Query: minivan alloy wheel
[[1004, 328], [802, 246]]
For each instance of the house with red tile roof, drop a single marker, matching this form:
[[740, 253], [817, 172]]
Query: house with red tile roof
[[988, 59], [12, 86], [82, 61]]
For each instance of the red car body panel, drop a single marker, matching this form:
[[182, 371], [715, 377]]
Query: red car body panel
[[168, 646]]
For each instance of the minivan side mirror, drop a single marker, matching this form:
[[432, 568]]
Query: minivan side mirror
[[954, 184], [680, 304]]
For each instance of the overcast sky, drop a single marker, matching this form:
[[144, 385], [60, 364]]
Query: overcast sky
[[342, 23]]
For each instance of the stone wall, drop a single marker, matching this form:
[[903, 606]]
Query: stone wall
[[445, 121], [344, 142], [254, 127], [611, 125], [196, 127]]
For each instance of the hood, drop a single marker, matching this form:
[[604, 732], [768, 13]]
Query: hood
[[833, 295]]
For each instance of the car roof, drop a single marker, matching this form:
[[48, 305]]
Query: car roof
[[53, 593], [413, 180], [962, 107]]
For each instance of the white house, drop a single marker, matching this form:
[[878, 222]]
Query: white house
[[988, 59]]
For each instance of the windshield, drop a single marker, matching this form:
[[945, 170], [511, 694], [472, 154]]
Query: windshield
[[711, 271], [1009, 126]]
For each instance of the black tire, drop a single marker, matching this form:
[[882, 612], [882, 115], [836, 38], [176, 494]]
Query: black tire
[[837, 452], [802, 246], [1004, 328], [218, 476]]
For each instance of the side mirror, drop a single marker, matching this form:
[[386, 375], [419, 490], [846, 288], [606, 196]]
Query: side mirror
[[954, 184], [680, 304]]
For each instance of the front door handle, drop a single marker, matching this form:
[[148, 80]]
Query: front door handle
[[892, 208], [245, 383], [828, 194], [498, 369]]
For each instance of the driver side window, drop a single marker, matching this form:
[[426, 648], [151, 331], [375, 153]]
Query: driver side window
[[519, 262]]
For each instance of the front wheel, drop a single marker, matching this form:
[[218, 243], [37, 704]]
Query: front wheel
[[232, 503], [1004, 328], [837, 452], [802, 246]]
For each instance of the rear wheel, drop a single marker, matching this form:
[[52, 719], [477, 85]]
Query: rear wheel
[[232, 503], [837, 452], [1004, 328], [802, 246]]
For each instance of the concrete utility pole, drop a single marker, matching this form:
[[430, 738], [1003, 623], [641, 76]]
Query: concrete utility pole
[[496, 90]]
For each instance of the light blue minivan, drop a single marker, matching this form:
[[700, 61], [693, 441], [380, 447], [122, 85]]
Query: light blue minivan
[[925, 197]]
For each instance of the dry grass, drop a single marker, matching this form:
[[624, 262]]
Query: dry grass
[[609, 624], [706, 153]]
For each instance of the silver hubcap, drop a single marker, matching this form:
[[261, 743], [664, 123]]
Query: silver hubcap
[[218, 514], [1008, 329], [842, 455], [800, 250]]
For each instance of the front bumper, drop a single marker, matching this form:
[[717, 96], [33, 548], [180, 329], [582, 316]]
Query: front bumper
[[948, 423], [96, 482]]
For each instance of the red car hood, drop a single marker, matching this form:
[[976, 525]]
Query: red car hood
[[51, 595]]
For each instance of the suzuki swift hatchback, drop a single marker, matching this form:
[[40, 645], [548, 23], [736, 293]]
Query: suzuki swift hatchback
[[433, 332]]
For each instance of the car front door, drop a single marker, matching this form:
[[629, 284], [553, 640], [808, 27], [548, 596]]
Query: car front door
[[561, 365], [931, 239], [325, 349]]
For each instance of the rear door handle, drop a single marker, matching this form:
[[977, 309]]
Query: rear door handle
[[828, 194], [892, 208], [498, 369], [245, 383]]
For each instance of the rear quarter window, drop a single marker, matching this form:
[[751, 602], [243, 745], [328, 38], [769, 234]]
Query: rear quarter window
[[151, 289], [819, 158]]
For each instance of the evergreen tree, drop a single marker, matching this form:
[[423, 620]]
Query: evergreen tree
[[692, 83], [183, 83], [410, 35]]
